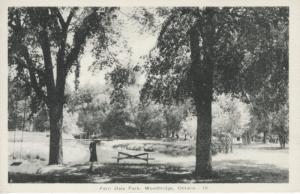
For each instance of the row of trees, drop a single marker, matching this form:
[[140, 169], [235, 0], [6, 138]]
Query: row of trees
[[199, 52], [88, 111]]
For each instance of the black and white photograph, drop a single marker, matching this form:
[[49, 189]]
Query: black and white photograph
[[118, 94]]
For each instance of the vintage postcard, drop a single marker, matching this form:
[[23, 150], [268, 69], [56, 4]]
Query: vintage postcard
[[140, 96]]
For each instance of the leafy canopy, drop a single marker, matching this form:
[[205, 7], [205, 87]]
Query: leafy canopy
[[249, 49]]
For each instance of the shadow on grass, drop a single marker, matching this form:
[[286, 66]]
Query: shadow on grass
[[229, 171], [244, 171], [37, 178]]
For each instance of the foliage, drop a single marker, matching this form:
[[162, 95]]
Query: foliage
[[41, 121], [230, 116], [280, 125], [115, 124], [148, 120], [189, 126], [120, 78], [90, 105], [246, 43], [69, 125], [280, 121], [26, 41], [15, 108], [174, 115]]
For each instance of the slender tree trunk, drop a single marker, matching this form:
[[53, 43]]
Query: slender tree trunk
[[249, 138], [282, 140], [265, 137]]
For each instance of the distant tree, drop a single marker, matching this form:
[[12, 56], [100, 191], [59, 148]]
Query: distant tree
[[148, 120], [116, 123], [280, 124], [70, 123], [174, 116], [260, 121], [189, 126], [270, 113], [229, 116], [90, 105]]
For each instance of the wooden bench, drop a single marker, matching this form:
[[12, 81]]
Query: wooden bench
[[141, 156]]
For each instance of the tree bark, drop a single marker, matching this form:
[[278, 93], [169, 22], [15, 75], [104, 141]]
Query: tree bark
[[203, 142], [202, 76], [56, 119]]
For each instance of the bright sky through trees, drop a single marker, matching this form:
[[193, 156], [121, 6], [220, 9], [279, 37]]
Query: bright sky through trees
[[139, 43]]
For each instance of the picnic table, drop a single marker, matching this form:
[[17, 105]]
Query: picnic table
[[142, 156]]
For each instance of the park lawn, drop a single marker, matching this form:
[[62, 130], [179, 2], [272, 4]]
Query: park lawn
[[153, 173], [257, 163]]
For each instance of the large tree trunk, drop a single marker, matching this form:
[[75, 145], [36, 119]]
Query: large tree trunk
[[56, 152], [203, 140], [202, 76]]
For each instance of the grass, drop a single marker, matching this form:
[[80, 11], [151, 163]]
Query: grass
[[257, 163], [155, 173]]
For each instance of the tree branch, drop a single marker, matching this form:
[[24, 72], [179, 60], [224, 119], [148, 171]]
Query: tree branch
[[165, 25], [61, 51], [79, 40], [62, 65], [71, 14], [33, 80], [60, 17], [45, 44], [64, 24]]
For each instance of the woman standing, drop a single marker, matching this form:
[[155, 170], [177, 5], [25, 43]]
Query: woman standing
[[93, 153]]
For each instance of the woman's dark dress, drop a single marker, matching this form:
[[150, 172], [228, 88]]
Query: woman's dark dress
[[93, 152]]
